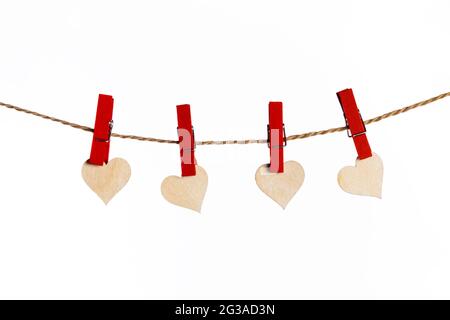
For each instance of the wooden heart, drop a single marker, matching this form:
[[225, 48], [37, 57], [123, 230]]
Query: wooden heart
[[186, 192], [365, 178], [107, 180], [281, 187]]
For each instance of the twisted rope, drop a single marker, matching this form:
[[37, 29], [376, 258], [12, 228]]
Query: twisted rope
[[222, 142]]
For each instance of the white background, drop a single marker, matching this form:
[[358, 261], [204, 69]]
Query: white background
[[227, 59]]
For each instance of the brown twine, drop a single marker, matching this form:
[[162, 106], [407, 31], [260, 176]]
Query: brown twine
[[223, 142]]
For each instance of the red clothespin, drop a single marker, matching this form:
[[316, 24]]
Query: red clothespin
[[186, 140], [356, 128], [276, 137], [102, 130]]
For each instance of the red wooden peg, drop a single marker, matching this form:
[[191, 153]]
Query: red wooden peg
[[186, 140], [102, 130], [355, 124], [276, 137]]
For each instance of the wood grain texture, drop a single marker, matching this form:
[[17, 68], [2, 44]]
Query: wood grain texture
[[281, 187], [107, 180], [187, 192], [365, 178]]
